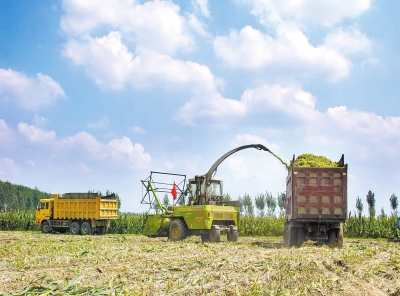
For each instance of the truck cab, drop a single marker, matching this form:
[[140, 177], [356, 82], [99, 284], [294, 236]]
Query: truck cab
[[43, 211]]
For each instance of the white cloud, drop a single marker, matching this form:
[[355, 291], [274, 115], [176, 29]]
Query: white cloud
[[138, 130], [155, 25], [348, 42], [288, 101], [35, 134], [201, 7], [111, 65], [118, 151], [247, 139], [32, 93], [6, 135], [102, 122], [326, 13], [39, 121], [289, 51], [7, 167]]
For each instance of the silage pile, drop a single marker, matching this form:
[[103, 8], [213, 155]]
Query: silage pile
[[309, 160]]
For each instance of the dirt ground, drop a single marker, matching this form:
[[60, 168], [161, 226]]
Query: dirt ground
[[137, 265]]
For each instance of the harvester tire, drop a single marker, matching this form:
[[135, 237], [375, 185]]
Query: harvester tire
[[232, 235], [215, 234], [177, 230], [75, 228], [45, 227], [86, 229], [205, 237]]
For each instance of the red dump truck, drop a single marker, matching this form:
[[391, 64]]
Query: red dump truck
[[316, 204], [80, 213]]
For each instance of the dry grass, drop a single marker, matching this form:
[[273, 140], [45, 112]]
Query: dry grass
[[137, 265]]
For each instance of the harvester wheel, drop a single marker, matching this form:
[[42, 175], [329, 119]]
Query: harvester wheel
[[45, 227], [215, 234], [177, 230], [75, 228], [300, 237], [86, 229], [340, 237], [232, 235], [205, 237]]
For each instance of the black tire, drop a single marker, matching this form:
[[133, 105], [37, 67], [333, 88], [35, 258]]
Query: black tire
[[235, 236], [177, 230], [45, 227], [215, 235], [101, 230], [332, 238], [86, 229], [75, 228], [300, 237], [286, 235], [292, 236], [205, 237]]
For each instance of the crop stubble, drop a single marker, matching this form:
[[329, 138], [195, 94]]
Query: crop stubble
[[139, 265]]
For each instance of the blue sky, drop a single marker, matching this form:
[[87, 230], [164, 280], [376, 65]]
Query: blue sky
[[96, 94]]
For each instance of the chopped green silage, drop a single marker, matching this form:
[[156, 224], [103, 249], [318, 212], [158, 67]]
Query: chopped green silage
[[309, 160]]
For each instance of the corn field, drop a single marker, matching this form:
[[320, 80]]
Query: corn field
[[355, 227]]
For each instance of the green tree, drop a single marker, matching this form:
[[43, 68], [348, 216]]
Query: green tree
[[248, 205], [371, 204], [227, 198], [271, 204], [165, 201], [359, 206], [260, 204], [394, 203]]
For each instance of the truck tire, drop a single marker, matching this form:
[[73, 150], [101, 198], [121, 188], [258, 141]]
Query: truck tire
[[215, 234], [101, 230], [45, 227], [292, 236], [340, 237], [300, 237], [75, 228], [86, 229], [177, 230]]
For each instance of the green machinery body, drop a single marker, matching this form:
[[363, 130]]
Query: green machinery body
[[198, 218]]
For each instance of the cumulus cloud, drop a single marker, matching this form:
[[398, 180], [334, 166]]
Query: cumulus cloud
[[119, 151], [326, 13], [201, 7], [289, 101], [155, 25], [246, 139], [35, 134], [110, 64], [6, 135], [290, 50], [32, 93], [350, 41], [7, 167]]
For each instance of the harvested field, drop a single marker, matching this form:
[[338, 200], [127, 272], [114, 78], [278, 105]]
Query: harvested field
[[137, 265]]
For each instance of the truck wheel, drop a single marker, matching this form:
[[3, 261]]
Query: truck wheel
[[74, 228], [177, 230], [286, 236], [45, 227], [292, 236], [340, 237], [205, 237], [215, 234], [86, 229], [300, 237], [101, 230], [332, 238]]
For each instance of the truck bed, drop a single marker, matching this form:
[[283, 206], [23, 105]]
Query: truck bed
[[317, 194], [78, 206]]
